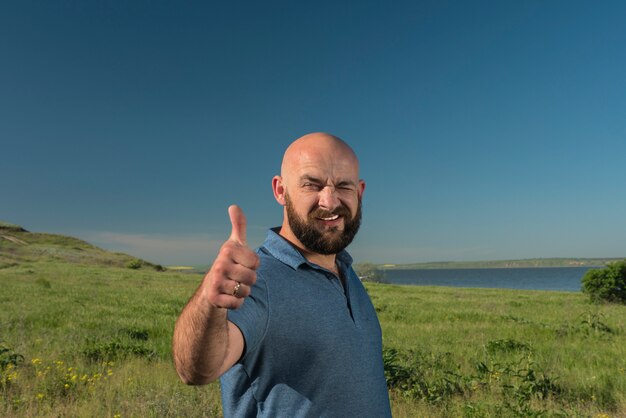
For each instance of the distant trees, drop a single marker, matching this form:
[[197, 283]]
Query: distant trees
[[607, 284]]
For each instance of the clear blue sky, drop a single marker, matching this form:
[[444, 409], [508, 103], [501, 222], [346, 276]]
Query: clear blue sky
[[485, 129]]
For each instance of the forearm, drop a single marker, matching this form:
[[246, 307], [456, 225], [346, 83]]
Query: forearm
[[200, 342], [205, 344]]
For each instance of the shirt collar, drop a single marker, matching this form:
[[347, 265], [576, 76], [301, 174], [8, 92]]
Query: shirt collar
[[283, 251]]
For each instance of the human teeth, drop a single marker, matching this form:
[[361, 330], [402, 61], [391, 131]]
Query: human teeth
[[332, 218]]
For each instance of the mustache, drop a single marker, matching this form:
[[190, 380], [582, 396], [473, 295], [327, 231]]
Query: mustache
[[322, 213]]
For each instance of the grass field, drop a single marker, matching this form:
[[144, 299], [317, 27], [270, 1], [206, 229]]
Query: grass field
[[89, 336]]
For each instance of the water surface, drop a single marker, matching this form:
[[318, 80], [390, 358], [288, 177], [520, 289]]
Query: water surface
[[531, 278]]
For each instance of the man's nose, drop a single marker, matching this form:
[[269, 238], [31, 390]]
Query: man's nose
[[328, 198]]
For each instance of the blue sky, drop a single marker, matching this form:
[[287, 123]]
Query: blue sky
[[486, 129]]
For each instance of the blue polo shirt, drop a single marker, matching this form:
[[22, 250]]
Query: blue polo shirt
[[312, 347]]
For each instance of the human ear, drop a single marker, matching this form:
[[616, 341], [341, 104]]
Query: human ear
[[361, 188], [279, 190]]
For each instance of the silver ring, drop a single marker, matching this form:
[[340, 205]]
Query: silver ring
[[236, 289]]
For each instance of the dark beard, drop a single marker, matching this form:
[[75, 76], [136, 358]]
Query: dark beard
[[320, 241]]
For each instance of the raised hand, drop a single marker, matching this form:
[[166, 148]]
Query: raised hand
[[228, 282]]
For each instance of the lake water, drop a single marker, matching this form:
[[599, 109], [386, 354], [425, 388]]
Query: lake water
[[536, 278]]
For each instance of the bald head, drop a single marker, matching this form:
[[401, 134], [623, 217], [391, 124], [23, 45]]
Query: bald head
[[318, 147]]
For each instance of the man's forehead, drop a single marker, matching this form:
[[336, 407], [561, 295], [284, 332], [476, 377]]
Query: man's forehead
[[307, 176], [335, 171]]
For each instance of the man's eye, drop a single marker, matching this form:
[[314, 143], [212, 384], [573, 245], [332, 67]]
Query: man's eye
[[345, 189], [311, 186]]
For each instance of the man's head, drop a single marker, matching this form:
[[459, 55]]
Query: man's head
[[320, 188]]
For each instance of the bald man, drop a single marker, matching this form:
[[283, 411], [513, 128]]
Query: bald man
[[289, 329]]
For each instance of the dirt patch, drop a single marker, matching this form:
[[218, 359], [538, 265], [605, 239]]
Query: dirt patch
[[14, 240]]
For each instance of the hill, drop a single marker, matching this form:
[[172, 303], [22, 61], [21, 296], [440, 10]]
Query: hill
[[17, 245]]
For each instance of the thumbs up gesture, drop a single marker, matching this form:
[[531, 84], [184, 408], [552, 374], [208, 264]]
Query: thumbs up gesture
[[228, 282]]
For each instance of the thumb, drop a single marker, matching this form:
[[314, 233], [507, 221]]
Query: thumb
[[238, 221]]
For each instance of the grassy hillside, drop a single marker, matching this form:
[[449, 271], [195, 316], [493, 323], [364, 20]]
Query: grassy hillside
[[19, 246], [86, 336]]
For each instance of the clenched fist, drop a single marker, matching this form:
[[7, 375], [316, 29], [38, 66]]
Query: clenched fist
[[228, 282]]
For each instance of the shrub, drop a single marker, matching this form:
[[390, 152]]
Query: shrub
[[431, 377], [134, 264], [607, 284], [8, 357]]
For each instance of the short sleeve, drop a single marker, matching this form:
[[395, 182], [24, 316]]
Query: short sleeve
[[253, 316]]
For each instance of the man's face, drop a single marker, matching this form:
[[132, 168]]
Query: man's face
[[321, 190], [323, 231]]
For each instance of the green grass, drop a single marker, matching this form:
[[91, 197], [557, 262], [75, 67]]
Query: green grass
[[93, 339], [487, 352]]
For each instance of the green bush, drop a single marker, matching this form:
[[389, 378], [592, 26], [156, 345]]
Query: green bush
[[134, 264], [9, 357], [607, 284]]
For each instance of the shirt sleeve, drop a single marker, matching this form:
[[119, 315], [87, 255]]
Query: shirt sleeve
[[253, 316]]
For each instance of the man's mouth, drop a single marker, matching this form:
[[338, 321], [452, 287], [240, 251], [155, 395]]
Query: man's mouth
[[330, 218]]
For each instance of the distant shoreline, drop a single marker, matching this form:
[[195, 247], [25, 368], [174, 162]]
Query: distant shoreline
[[525, 263]]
